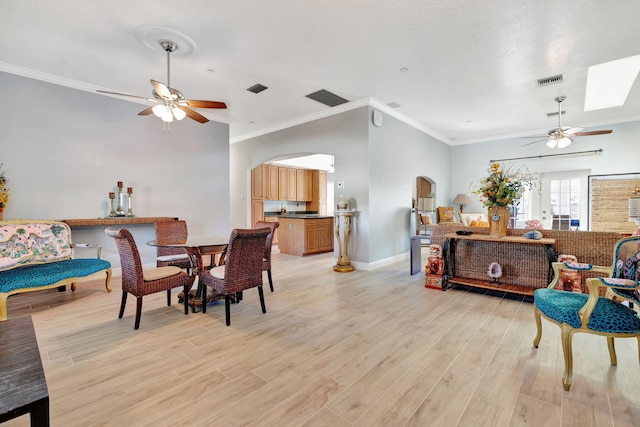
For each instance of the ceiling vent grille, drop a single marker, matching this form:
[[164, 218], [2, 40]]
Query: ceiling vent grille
[[257, 88], [394, 105], [555, 113], [550, 80], [327, 98]]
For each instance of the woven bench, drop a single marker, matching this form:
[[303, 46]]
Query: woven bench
[[37, 254]]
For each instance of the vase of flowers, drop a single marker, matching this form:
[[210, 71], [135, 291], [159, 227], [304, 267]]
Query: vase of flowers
[[501, 189], [4, 193]]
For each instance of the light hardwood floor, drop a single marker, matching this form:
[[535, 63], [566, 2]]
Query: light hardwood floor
[[334, 349]]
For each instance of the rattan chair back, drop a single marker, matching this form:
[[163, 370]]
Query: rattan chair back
[[170, 232]]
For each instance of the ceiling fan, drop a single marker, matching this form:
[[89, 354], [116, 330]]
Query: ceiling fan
[[563, 136], [171, 103]]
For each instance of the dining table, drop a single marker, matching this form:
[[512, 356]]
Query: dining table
[[198, 247]]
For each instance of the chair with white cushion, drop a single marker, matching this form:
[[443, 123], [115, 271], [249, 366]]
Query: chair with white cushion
[[139, 282]]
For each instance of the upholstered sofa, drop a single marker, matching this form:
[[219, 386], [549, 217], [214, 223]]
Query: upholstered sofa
[[37, 254], [526, 265]]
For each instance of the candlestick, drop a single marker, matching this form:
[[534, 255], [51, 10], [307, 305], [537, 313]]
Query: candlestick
[[120, 209], [129, 204], [112, 196]]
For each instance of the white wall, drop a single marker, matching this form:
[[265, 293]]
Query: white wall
[[64, 150]]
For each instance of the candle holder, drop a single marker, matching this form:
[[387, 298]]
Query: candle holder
[[120, 209], [129, 204], [112, 196]]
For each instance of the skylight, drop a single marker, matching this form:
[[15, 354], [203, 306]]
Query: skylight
[[608, 84]]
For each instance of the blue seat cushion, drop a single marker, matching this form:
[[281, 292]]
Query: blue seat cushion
[[608, 316], [32, 276]]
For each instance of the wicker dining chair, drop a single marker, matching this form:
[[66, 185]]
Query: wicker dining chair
[[139, 282], [242, 268], [169, 232], [592, 313], [266, 262]]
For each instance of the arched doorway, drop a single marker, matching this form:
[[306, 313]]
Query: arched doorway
[[425, 203]]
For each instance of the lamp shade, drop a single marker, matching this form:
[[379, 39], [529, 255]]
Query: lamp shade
[[461, 199]]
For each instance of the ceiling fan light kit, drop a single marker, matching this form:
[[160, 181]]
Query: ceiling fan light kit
[[562, 137], [171, 103]]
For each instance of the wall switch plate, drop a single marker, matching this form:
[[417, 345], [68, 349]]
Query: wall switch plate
[[340, 184]]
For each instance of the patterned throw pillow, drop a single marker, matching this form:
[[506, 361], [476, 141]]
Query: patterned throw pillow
[[446, 214], [478, 223]]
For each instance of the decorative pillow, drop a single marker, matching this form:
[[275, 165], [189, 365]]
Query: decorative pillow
[[446, 214], [467, 218], [479, 223]]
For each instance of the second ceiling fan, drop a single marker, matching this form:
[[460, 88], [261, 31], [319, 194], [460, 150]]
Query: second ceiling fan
[[171, 103], [563, 136]]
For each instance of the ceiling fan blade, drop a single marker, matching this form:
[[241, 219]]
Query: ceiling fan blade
[[125, 94], [534, 142], [161, 89], [572, 131], [593, 132], [205, 104], [193, 114], [146, 111]]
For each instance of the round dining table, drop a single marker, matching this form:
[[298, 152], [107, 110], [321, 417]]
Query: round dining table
[[196, 248]]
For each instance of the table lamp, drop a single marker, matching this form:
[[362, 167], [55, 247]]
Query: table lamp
[[461, 199]]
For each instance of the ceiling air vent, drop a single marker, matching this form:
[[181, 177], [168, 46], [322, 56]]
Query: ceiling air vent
[[555, 113], [550, 80], [394, 105], [257, 88], [327, 98]]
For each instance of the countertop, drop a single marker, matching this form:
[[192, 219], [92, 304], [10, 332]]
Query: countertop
[[296, 215]]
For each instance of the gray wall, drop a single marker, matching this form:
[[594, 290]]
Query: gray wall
[[621, 154], [64, 150], [378, 166]]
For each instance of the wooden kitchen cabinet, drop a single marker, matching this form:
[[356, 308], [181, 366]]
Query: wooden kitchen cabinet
[[283, 183], [257, 211], [303, 185], [304, 236], [259, 182], [318, 192], [272, 184], [291, 184]]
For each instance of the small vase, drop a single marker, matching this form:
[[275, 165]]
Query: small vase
[[498, 220]]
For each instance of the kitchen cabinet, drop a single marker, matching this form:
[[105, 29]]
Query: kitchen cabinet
[[303, 185], [257, 211], [291, 184], [305, 235], [259, 182], [318, 192], [272, 182], [283, 183]]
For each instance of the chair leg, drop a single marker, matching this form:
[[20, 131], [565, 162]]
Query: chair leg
[[204, 297], [227, 309], [138, 312], [185, 292], [168, 297], [536, 315], [612, 351], [270, 280], [261, 293], [122, 304], [567, 336]]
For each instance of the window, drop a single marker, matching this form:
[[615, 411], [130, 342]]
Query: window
[[565, 203]]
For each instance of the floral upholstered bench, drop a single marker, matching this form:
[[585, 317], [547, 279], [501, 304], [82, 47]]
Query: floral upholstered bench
[[37, 254]]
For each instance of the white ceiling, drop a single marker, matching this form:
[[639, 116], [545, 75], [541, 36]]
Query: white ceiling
[[472, 65]]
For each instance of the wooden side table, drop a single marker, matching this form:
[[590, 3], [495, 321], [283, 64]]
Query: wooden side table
[[23, 387]]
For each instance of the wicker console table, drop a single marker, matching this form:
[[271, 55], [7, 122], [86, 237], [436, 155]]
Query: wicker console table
[[526, 263]]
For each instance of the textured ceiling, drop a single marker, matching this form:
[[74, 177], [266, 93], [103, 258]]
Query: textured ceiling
[[471, 65]]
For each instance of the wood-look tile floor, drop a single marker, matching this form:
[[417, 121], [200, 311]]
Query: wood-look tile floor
[[334, 349]]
